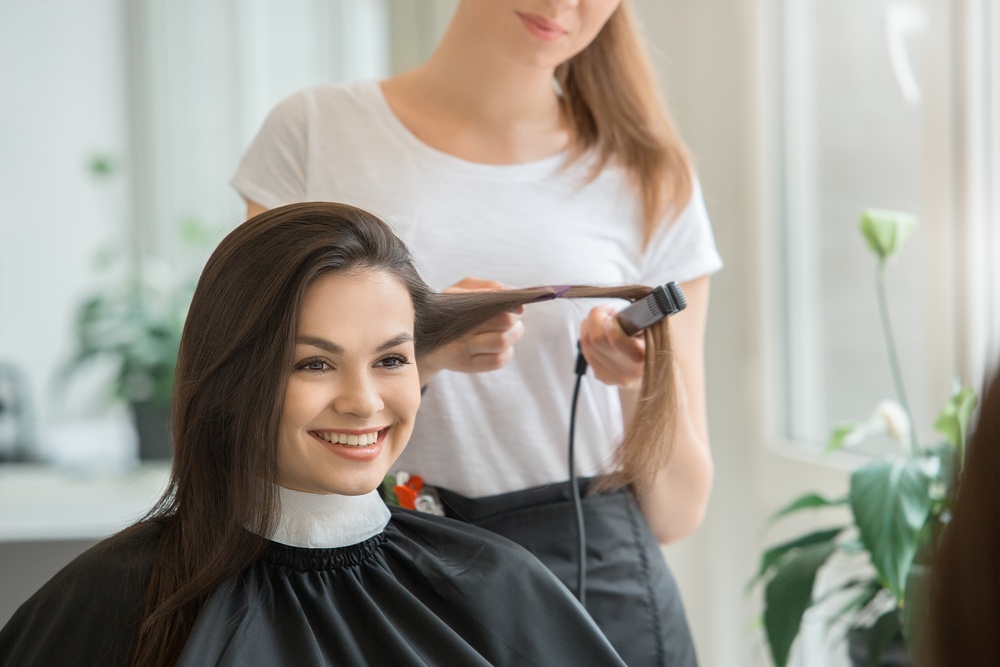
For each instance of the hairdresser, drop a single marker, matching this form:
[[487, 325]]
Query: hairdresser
[[531, 148]]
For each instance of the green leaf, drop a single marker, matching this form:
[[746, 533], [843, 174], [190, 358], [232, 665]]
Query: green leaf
[[388, 487], [775, 554], [890, 501], [885, 230], [789, 594], [807, 501], [939, 461], [840, 434], [953, 422]]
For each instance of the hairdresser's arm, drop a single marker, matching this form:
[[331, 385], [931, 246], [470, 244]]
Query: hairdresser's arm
[[675, 503], [486, 348]]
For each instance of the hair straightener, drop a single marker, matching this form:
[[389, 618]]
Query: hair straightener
[[664, 301]]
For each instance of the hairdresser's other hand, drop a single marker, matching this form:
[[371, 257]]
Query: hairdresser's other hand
[[616, 358], [486, 348]]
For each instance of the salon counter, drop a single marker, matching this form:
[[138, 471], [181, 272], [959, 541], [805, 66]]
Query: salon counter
[[39, 503]]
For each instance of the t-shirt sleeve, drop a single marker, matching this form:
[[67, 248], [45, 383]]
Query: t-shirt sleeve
[[272, 171], [683, 250]]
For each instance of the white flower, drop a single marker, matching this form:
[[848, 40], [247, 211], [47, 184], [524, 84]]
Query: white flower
[[890, 417], [887, 418]]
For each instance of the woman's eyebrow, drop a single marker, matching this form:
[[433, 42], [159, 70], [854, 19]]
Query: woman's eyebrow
[[398, 339], [333, 348], [322, 343]]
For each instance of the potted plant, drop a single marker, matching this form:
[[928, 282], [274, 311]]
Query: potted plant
[[897, 505], [134, 324]]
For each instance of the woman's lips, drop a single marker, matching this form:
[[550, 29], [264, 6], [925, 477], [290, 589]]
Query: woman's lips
[[541, 27], [361, 445]]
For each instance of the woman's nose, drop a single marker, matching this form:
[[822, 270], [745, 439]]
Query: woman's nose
[[358, 396]]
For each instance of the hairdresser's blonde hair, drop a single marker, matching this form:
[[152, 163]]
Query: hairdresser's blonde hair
[[609, 95]]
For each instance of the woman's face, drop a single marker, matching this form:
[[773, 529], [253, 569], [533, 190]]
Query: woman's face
[[353, 391], [538, 32]]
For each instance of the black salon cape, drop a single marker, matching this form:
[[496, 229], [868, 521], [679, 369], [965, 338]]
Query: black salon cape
[[426, 591]]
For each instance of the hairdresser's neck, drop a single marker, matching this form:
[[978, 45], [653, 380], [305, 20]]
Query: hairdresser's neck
[[488, 85], [475, 103]]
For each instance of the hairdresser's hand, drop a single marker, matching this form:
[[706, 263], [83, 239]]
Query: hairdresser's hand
[[616, 358], [486, 348]]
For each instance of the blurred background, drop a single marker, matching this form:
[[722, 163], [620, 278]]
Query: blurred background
[[122, 121]]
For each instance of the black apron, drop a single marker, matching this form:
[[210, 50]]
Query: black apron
[[630, 592]]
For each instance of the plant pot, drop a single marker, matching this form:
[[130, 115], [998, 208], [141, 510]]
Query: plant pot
[[152, 424], [895, 654]]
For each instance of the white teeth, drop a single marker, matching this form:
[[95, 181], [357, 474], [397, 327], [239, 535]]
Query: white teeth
[[362, 440]]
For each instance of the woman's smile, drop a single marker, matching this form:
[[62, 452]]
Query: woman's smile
[[351, 444], [351, 438]]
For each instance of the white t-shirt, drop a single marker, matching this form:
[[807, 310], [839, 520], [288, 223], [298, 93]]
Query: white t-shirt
[[537, 223]]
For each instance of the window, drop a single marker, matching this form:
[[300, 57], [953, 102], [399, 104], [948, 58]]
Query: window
[[889, 104]]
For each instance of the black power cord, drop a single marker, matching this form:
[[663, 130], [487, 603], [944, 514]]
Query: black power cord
[[581, 531]]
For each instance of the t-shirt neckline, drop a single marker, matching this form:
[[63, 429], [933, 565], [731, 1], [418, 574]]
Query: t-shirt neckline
[[532, 169]]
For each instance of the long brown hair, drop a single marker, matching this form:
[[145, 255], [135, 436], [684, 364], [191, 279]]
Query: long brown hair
[[609, 95], [234, 361]]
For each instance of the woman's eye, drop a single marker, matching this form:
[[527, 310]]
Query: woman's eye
[[394, 361], [316, 365]]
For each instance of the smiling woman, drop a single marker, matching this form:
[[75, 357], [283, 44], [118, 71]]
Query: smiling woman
[[354, 390], [296, 390]]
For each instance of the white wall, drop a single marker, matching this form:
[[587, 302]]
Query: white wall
[[58, 111]]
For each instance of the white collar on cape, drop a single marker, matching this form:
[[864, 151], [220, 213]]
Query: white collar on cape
[[322, 521]]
